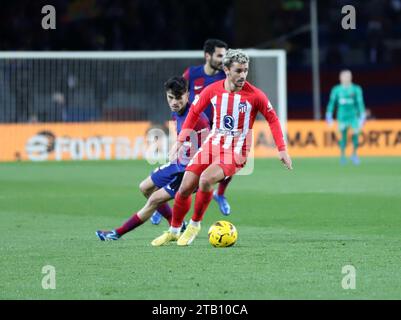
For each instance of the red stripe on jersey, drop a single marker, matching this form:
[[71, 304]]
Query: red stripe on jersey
[[230, 105], [222, 140]]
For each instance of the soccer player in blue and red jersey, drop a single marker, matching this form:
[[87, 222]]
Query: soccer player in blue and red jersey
[[199, 77], [224, 152], [163, 183]]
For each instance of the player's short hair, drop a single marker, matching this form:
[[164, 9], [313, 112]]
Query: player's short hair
[[345, 71], [178, 85], [235, 55], [210, 45]]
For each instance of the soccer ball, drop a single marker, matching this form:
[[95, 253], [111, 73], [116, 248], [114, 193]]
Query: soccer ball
[[222, 234]]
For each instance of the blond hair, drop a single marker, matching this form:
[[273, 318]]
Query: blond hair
[[235, 55]]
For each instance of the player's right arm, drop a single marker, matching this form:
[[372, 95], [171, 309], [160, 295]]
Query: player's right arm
[[331, 105], [194, 115], [202, 129], [270, 115], [198, 106]]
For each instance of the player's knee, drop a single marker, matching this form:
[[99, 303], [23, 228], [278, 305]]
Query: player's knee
[[144, 189], [154, 201], [185, 190], [205, 183]]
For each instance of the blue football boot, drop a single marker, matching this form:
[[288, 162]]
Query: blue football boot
[[107, 235], [355, 160], [223, 203], [156, 218]]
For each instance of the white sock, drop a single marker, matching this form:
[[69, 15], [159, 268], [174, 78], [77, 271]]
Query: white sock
[[175, 230], [195, 223]]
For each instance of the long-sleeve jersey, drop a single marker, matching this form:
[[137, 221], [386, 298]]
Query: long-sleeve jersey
[[201, 125], [349, 100], [234, 115]]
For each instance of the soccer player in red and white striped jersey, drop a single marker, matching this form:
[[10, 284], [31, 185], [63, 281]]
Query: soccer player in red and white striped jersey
[[236, 103], [199, 77]]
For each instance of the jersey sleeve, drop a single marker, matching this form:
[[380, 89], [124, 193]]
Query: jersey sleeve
[[186, 74], [270, 115], [202, 128], [332, 102], [360, 102], [198, 106], [203, 122]]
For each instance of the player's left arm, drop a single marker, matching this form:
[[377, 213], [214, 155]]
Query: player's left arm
[[270, 115], [361, 105]]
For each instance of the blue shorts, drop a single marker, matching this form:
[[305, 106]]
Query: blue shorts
[[168, 177]]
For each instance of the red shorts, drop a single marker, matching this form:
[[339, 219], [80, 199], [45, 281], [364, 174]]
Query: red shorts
[[230, 161]]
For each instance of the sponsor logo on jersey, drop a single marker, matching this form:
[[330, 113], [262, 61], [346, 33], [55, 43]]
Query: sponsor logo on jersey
[[233, 133], [346, 101], [198, 85], [228, 122]]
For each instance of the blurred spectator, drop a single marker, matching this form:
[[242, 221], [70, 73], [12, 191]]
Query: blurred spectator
[[59, 99]]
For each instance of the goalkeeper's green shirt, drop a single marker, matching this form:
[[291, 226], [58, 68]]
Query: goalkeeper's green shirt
[[349, 100]]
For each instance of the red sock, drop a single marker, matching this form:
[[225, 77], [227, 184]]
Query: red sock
[[180, 209], [165, 211], [202, 201], [223, 185], [129, 225]]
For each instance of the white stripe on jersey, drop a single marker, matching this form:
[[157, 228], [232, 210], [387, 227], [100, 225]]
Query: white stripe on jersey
[[223, 112], [214, 102], [245, 130], [229, 139], [223, 109]]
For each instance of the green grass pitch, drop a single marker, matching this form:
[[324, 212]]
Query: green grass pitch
[[297, 230]]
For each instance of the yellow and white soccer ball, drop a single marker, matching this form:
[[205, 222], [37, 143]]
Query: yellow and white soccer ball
[[222, 234]]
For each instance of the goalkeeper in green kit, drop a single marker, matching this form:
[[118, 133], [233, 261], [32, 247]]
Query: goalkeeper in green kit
[[348, 97]]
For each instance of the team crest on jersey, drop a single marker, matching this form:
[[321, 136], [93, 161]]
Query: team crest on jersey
[[242, 107]]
